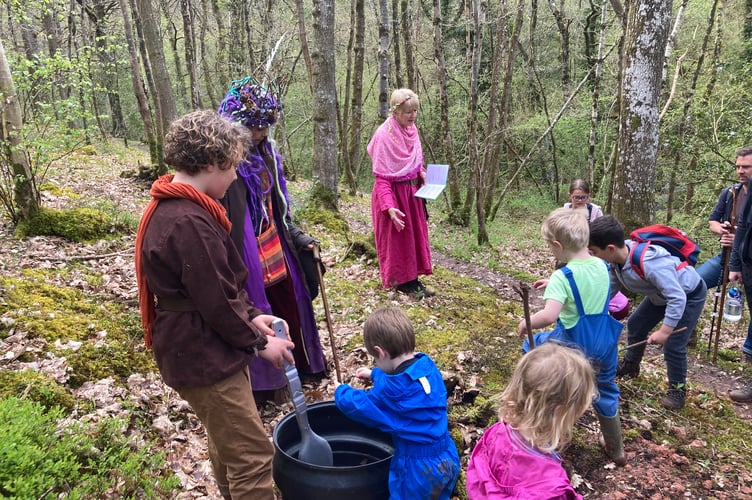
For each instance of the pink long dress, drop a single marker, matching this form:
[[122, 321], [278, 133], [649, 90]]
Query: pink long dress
[[397, 163]]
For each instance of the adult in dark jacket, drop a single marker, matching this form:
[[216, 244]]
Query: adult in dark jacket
[[258, 203], [740, 266]]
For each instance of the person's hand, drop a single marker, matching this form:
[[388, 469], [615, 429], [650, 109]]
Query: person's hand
[[542, 283], [735, 277], [277, 351], [363, 374], [727, 236], [308, 247], [263, 322], [397, 218], [522, 329], [661, 336]]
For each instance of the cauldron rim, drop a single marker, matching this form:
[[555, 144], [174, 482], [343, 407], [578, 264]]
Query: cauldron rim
[[312, 407]]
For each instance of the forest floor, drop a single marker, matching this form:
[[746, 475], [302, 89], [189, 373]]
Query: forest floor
[[663, 468]]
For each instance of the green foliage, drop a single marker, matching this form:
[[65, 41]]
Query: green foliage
[[35, 387], [43, 455], [74, 224]]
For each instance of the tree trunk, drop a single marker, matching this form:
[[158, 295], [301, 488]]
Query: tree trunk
[[398, 82], [304, 38], [383, 59], [163, 84], [25, 203], [477, 15], [562, 23], [645, 43], [157, 159], [407, 36], [155, 147], [445, 130], [324, 102], [189, 42], [595, 116], [354, 125]]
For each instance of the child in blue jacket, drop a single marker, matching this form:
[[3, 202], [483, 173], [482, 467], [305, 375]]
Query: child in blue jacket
[[408, 401]]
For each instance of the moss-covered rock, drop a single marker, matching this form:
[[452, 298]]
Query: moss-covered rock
[[74, 224]]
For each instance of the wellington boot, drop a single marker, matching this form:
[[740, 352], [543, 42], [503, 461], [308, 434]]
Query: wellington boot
[[611, 438]]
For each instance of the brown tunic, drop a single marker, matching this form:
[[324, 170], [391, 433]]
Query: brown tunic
[[188, 255]]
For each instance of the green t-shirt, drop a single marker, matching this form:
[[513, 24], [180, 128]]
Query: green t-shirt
[[592, 278]]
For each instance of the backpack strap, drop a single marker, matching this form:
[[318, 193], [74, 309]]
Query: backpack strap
[[576, 292], [637, 255], [589, 211]]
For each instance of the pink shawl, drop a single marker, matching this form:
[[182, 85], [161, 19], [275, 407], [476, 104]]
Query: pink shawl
[[395, 151]]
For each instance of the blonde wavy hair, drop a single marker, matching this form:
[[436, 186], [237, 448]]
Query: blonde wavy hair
[[567, 226], [550, 389]]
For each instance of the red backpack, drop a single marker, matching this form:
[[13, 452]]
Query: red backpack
[[672, 239]]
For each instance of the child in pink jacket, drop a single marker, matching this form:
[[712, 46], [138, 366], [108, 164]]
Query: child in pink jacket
[[550, 389]]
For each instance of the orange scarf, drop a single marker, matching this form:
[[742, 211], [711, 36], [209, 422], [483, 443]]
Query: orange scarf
[[163, 188]]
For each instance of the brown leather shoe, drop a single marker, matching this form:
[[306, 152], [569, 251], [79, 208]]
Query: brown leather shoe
[[743, 395]]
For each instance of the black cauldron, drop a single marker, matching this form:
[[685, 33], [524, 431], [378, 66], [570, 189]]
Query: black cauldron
[[361, 458]]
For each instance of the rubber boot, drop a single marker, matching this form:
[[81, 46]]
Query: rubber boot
[[611, 438]]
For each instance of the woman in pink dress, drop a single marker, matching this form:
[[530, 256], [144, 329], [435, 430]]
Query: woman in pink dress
[[400, 220]]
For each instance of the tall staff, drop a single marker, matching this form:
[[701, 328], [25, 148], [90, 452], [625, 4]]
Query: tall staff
[[725, 258]]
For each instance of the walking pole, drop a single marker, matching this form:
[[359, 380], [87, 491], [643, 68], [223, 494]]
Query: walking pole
[[727, 255], [715, 326], [725, 258], [713, 316], [332, 343], [524, 292]]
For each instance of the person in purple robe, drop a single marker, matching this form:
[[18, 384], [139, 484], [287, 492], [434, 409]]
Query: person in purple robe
[[281, 272]]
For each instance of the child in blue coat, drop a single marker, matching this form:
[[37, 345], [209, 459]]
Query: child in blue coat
[[408, 401]]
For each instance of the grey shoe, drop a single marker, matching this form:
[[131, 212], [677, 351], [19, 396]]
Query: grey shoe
[[743, 395], [746, 358], [674, 398]]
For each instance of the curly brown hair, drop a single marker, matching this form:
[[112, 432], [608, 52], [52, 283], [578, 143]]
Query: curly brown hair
[[202, 138]]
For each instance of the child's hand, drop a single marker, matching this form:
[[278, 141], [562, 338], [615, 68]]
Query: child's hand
[[661, 336], [542, 283], [522, 329], [363, 374]]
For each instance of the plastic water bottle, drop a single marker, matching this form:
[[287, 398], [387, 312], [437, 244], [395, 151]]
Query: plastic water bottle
[[732, 310]]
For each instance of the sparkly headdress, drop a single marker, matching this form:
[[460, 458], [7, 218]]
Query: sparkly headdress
[[251, 104]]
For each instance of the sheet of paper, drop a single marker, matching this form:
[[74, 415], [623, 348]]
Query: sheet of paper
[[436, 178]]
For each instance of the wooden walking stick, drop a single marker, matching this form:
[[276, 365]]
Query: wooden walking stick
[[724, 283], [332, 342], [725, 258], [524, 292]]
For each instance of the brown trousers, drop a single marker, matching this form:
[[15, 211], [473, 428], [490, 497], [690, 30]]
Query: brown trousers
[[239, 448]]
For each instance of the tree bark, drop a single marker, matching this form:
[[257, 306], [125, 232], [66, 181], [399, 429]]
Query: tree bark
[[303, 36], [445, 130], [163, 84], [325, 171], [353, 122], [189, 43], [645, 43], [383, 57], [142, 102], [595, 116], [25, 203]]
